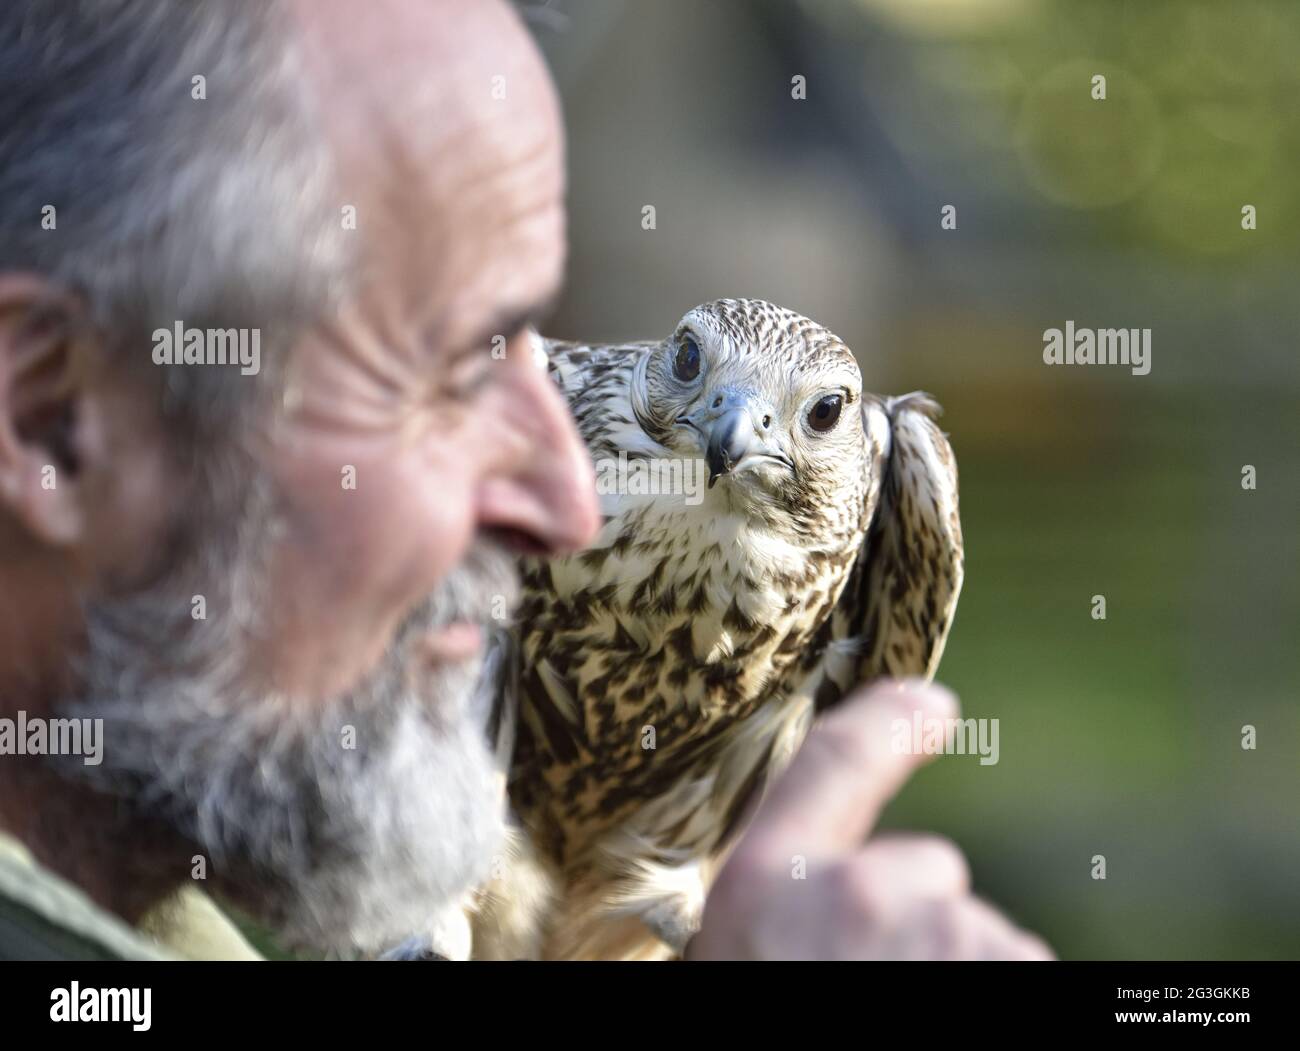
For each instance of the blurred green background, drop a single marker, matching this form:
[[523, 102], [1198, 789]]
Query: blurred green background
[[1119, 737]]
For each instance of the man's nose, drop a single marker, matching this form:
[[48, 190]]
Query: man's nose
[[548, 489]]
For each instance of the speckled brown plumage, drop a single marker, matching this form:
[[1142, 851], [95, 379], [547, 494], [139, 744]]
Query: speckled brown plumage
[[822, 560]]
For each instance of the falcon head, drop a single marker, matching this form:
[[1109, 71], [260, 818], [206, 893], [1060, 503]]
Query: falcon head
[[770, 400]]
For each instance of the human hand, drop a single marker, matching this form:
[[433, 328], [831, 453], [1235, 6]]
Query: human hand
[[897, 897]]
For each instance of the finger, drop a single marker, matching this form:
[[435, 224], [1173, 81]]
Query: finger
[[997, 938], [896, 866], [962, 929], [1033, 947], [849, 768]]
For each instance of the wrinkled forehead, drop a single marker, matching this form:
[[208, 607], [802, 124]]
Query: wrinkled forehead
[[448, 142], [770, 335]]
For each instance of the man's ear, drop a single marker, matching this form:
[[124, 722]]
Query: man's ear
[[47, 350]]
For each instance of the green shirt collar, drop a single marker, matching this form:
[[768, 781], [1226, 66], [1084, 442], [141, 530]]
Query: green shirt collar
[[44, 917]]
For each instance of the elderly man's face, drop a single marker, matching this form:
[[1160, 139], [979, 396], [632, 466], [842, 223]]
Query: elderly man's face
[[313, 736], [450, 148], [426, 385]]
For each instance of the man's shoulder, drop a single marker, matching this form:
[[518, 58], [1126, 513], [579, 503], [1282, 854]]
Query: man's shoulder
[[44, 917]]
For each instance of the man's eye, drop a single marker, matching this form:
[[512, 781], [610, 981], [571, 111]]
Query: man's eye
[[467, 378]]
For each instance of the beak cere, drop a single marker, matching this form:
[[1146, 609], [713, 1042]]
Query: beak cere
[[730, 437]]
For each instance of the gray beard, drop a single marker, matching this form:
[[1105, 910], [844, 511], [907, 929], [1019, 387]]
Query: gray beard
[[344, 827]]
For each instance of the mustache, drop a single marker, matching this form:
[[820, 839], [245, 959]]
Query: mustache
[[484, 588], [154, 676]]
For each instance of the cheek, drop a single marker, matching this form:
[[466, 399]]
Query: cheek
[[370, 533]]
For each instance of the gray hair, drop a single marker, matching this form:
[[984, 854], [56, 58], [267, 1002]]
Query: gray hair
[[215, 211]]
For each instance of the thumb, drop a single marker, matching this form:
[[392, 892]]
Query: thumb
[[854, 761]]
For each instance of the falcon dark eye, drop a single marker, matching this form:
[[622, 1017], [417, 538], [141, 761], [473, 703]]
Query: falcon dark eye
[[823, 415], [686, 365]]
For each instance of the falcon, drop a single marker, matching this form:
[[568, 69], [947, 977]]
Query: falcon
[[656, 681]]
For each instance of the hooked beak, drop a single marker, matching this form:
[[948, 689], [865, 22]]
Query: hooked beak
[[730, 438], [733, 427]]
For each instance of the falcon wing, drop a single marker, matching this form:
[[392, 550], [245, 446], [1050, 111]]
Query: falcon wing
[[594, 380], [893, 616]]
